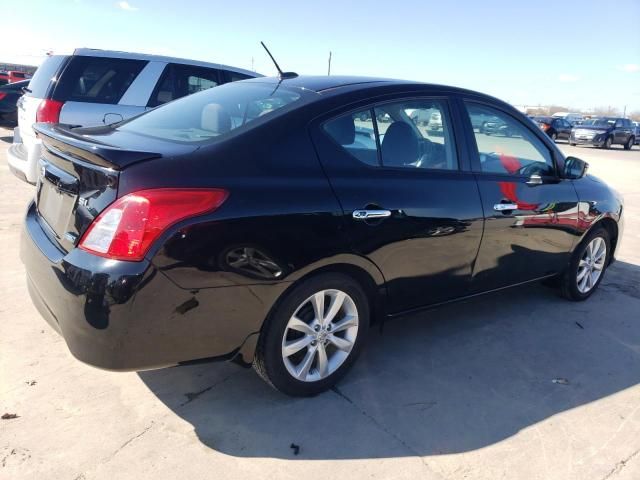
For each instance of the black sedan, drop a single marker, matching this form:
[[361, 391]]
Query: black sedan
[[215, 228], [9, 95], [556, 128]]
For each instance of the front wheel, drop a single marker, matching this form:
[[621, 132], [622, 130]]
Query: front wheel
[[629, 144], [607, 143], [314, 335], [587, 266], [554, 137]]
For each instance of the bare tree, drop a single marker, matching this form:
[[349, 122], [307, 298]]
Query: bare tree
[[608, 111]]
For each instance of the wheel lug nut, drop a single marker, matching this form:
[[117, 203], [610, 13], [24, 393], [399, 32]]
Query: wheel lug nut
[[317, 328], [314, 343], [329, 328]]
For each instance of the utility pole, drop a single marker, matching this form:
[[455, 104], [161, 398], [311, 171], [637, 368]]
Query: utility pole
[[252, 65], [329, 69], [624, 115]]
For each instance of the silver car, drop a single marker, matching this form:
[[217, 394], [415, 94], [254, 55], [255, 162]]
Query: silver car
[[100, 87]]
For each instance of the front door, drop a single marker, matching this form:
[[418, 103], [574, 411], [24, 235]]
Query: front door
[[531, 214], [408, 204]]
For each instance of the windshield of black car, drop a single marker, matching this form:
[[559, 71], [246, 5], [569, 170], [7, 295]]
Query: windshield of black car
[[215, 112]]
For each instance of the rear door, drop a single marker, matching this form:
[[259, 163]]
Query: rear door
[[91, 89], [410, 204], [530, 213]]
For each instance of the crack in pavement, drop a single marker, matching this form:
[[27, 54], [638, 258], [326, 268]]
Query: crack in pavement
[[117, 450], [384, 429], [620, 465]]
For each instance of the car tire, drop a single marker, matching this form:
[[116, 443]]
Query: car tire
[[554, 137], [587, 259], [298, 371], [607, 143], [629, 144]]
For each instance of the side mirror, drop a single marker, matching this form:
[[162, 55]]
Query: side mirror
[[574, 168]]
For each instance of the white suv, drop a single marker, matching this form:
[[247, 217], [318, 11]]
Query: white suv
[[96, 87]]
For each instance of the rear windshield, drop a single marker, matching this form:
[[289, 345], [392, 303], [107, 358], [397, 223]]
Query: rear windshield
[[215, 112], [97, 79], [44, 74]]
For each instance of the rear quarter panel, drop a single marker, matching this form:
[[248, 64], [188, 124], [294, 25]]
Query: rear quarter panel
[[280, 221]]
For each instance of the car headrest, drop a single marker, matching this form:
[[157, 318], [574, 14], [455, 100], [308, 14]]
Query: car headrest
[[400, 145], [342, 130], [215, 119]]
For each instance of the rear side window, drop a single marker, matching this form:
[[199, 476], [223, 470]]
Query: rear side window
[[235, 76], [46, 72], [97, 79], [181, 80], [412, 134]]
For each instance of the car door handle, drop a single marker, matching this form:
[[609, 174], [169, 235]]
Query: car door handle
[[371, 214], [501, 207]]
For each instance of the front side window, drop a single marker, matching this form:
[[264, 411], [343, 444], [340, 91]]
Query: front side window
[[506, 146], [410, 134], [214, 113]]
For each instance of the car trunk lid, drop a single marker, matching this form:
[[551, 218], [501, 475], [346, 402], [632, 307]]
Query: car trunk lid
[[78, 178]]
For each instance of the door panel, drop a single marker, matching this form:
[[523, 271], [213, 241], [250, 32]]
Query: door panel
[[531, 215], [427, 245], [531, 241]]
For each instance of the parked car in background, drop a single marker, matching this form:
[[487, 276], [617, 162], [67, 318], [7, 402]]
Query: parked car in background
[[572, 118], [100, 87], [496, 126], [18, 76], [220, 227], [9, 96], [556, 128], [636, 132], [12, 76], [604, 132]]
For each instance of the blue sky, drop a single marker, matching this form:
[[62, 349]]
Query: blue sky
[[581, 53]]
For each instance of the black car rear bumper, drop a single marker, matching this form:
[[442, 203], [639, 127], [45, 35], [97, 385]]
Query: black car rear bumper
[[119, 315]]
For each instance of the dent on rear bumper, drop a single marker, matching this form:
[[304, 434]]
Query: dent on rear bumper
[[127, 315]]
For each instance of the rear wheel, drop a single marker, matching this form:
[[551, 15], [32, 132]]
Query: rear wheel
[[587, 266], [554, 137], [608, 142], [314, 335], [629, 144]]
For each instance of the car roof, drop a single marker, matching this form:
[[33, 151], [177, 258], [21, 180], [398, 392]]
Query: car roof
[[337, 84], [94, 52]]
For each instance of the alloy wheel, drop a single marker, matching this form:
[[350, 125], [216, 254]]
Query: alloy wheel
[[320, 335], [591, 265]]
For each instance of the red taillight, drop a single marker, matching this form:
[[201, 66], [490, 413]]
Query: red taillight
[[545, 126], [128, 227], [2, 95], [49, 111]]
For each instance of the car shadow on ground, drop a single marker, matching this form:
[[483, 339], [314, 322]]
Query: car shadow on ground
[[449, 380]]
